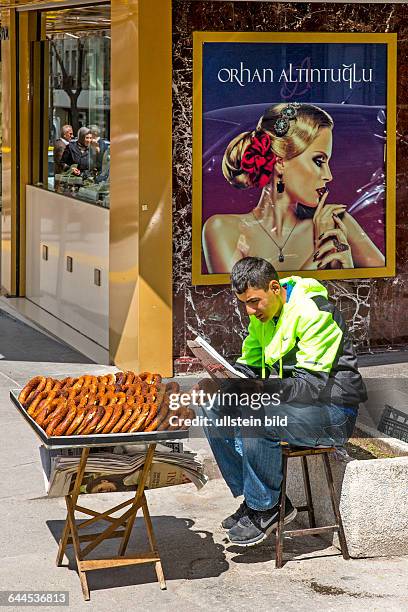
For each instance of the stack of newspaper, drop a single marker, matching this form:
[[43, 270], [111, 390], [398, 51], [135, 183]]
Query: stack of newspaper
[[118, 469]]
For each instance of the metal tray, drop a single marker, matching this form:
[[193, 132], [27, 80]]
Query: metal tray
[[95, 440]]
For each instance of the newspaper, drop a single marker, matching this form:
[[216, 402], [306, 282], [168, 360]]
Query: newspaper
[[120, 470], [217, 367]]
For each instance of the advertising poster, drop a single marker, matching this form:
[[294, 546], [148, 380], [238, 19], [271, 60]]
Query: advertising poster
[[294, 153]]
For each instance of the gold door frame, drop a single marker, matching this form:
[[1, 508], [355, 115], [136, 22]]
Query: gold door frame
[[140, 278]]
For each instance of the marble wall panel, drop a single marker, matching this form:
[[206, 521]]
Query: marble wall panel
[[375, 309]]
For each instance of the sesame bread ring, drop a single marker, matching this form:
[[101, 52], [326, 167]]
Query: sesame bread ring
[[120, 398], [101, 388], [68, 382], [101, 399], [136, 410], [80, 415], [78, 384], [31, 405], [88, 380], [45, 412], [147, 377], [130, 376], [35, 384], [120, 378], [105, 419], [99, 413], [106, 379], [117, 413], [172, 387], [154, 409], [49, 397], [62, 427], [190, 414], [151, 378], [133, 389], [81, 400], [60, 414], [90, 412], [126, 415], [161, 415], [57, 387], [182, 414], [139, 422], [110, 398], [150, 398], [32, 408], [165, 424], [49, 385], [55, 404]]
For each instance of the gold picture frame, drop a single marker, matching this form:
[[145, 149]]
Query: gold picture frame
[[390, 40]]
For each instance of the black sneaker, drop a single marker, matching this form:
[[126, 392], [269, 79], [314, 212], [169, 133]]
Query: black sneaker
[[233, 519], [255, 525]]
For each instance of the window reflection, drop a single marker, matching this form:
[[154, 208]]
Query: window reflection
[[79, 115]]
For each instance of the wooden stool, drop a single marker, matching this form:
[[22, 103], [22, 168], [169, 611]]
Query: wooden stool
[[288, 452]]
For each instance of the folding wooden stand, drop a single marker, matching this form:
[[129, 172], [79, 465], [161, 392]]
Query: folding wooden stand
[[70, 534]]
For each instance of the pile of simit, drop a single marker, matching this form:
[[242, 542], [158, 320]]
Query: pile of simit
[[124, 402]]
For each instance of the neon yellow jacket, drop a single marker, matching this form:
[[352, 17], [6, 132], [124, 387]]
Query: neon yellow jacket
[[309, 347]]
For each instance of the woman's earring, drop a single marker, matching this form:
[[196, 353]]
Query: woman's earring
[[280, 185]]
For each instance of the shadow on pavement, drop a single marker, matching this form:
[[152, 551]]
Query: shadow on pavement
[[186, 554], [294, 547], [20, 342]]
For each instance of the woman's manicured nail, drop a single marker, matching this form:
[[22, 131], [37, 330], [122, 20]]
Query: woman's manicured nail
[[321, 236], [316, 255]]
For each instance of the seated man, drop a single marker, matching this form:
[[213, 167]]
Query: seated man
[[295, 330]]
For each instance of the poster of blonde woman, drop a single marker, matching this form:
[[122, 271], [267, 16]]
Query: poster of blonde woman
[[294, 154]]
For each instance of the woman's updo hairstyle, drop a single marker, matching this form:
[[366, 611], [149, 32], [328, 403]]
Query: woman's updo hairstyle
[[301, 133]]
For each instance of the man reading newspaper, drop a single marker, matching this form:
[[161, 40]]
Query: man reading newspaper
[[295, 331]]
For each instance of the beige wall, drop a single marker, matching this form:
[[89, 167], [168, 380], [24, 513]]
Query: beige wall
[[69, 227]]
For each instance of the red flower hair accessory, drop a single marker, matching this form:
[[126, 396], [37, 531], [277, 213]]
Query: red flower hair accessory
[[259, 160]]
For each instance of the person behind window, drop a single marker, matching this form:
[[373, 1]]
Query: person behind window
[[78, 152], [103, 176], [99, 146], [60, 145]]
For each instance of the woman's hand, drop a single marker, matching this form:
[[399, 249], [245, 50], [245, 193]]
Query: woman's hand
[[323, 219], [76, 171], [333, 249]]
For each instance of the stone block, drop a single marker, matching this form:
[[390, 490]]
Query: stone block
[[373, 502]]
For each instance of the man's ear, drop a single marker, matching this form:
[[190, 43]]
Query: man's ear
[[274, 286]]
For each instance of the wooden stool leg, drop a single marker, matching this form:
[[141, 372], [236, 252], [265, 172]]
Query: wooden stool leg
[[153, 543], [308, 491], [335, 506], [77, 547], [279, 530]]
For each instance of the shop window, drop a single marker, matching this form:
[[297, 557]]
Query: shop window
[[79, 115]]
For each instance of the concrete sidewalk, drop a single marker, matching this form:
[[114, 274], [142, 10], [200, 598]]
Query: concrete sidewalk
[[203, 572]]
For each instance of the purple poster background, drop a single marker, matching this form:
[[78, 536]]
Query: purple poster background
[[235, 96]]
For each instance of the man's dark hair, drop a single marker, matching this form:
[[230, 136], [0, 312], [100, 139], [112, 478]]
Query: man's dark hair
[[252, 272]]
